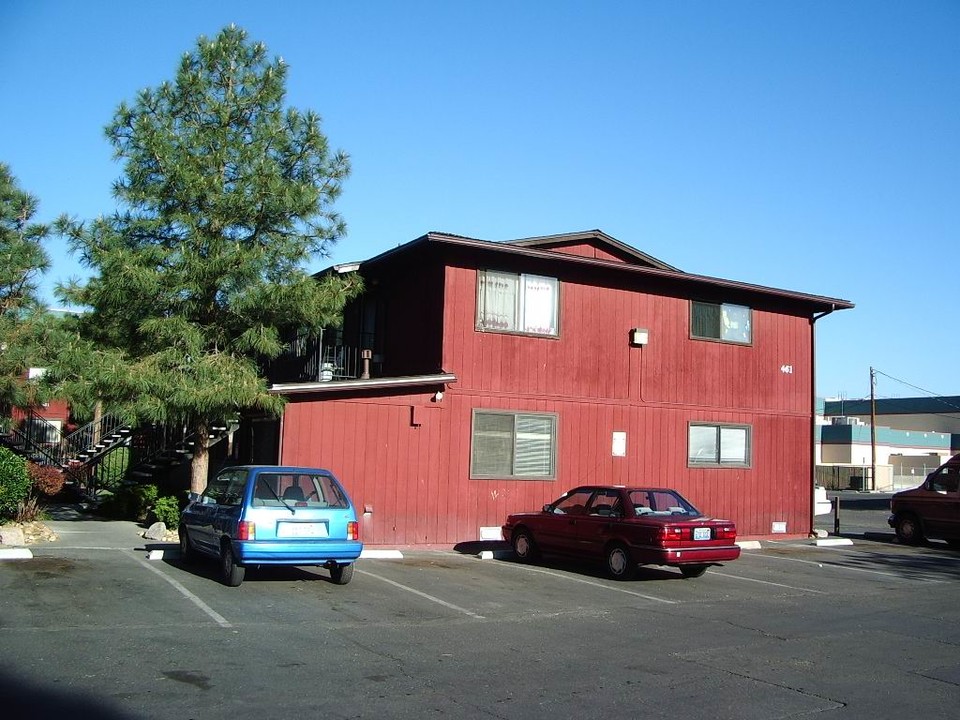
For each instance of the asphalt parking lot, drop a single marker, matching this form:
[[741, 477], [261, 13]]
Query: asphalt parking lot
[[866, 630]]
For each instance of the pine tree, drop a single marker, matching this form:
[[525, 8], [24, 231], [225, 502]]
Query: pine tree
[[198, 276], [22, 262]]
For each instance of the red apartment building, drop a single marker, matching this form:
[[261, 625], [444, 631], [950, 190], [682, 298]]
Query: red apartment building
[[500, 374]]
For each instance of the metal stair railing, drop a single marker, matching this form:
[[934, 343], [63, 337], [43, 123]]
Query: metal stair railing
[[95, 439], [38, 439]]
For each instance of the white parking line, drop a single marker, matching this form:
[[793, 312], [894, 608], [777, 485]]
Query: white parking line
[[217, 617], [838, 566], [424, 595], [765, 582], [527, 568]]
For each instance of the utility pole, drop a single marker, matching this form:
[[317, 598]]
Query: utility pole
[[873, 431]]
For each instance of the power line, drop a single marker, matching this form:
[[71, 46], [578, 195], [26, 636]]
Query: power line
[[934, 396]]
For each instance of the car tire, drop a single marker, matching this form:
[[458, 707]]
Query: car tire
[[908, 529], [620, 565], [187, 553], [341, 574], [693, 571], [230, 572], [524, 546]]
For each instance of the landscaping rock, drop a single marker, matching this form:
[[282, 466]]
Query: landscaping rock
[[157, 531], [12, 535]]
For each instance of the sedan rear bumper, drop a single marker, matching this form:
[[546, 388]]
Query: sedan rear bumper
[[686, 555]]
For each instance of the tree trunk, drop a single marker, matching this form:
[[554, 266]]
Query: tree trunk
[[97, 422], [200, 465]]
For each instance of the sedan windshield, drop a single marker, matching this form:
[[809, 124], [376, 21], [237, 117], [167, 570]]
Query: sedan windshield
[[661, 502]]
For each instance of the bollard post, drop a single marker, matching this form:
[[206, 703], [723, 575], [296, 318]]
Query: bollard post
[[836, 515]]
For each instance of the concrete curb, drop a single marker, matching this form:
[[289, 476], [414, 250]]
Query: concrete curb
[[381, 554], [15, 554], [832, 542]]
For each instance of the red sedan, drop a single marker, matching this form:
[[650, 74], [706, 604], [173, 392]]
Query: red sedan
[[626, 527]]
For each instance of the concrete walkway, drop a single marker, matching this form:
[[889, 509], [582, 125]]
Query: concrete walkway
[[78, 529]]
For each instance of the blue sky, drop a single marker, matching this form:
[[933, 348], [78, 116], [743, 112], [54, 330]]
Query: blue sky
[[810, 145]]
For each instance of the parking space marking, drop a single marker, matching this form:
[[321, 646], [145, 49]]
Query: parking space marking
[[424, 595], [765, 582], [839, 566], [217, 617], [527, 568]]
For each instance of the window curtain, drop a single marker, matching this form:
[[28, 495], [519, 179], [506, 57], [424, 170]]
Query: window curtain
[[498, 301], [539, 305]]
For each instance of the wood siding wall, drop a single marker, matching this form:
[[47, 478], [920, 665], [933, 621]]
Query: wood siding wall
[[408, 457]]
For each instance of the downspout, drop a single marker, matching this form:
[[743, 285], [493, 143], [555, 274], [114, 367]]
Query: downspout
[[813, 411]]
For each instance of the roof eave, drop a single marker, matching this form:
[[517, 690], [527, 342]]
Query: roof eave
[[333, 386]]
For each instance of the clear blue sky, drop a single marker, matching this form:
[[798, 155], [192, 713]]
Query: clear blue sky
[[810, 145]]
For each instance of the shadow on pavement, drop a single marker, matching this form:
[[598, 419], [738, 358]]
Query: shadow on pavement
[[23, 699]]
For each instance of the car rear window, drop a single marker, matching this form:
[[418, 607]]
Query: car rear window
[[661, 502], [305, 490]]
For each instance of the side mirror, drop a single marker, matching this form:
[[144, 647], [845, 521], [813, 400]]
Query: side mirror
[[193, 497], [546, 508]]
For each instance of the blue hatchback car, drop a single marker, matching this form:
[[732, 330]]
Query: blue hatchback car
[[272, 515]]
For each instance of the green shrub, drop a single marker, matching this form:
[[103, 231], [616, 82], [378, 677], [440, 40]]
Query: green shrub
[[131, 502], [167, 511], [14, 482]]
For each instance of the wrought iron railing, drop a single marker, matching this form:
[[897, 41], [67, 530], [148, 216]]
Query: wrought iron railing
[[306, 361]]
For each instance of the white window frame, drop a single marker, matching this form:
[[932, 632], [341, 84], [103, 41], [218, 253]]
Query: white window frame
[[725, 450], [520, 313], [541, 449]]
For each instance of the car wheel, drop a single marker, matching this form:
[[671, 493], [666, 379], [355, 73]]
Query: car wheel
[[341, 574], [692, 571], [619, 563], [524, 546], [230, 572], [908, 530], [187, 553]]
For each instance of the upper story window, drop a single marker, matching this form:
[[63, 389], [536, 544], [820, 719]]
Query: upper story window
[[727, 323], [508, 302]]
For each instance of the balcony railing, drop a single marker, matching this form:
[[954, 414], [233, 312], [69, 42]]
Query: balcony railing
[[311, 362]]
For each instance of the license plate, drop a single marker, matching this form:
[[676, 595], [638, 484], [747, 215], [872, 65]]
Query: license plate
[[302, 530], [701, 533]]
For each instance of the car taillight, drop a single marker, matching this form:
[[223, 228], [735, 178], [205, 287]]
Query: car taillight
[[247, 530], [726, 532], [669, 533], [353, 530]]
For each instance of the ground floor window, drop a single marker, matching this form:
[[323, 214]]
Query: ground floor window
[[718, 445], [513, 445]]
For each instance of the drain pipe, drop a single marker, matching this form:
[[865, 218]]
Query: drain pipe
[[813, 412]]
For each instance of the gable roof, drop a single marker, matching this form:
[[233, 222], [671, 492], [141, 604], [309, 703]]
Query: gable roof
[[627, 260], [597, 239]]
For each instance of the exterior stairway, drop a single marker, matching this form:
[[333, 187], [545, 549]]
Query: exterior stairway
[[90, 454]]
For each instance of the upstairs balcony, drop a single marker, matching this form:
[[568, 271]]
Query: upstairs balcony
[[308, 361]]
